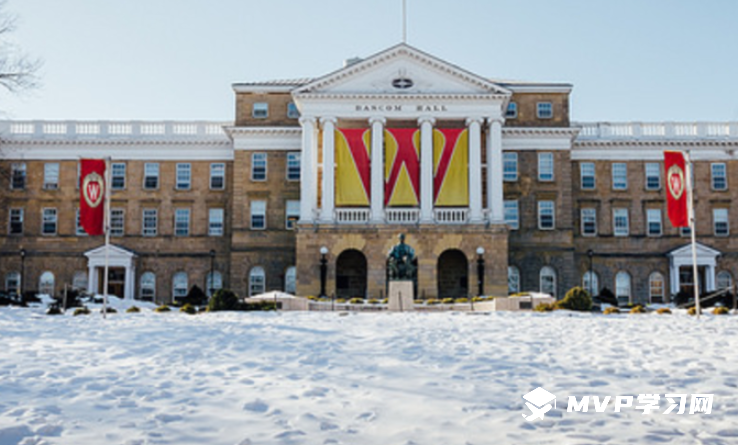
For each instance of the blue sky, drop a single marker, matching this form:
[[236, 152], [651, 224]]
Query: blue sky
[[655, 60]]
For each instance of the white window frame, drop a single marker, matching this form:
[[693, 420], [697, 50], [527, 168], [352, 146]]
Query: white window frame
[[151, 170], [719, 176], [623, 214], [216, 221], [254, 161], [180, 280], [150, 214], [588, 215], [258, 210], [51, 176], [119, 175], [52, 215], [290, 280], [720, 217], [260, 110], [655, 172], [117, 222], [182, 221], [591, 283], [46, 283], [721, 276], [148, 284], [79, 280], [545, 206], [587, 170], [183, 176], [292, 111], [18, 176], [509, 166], [13, 282], [511, 112], [654, 220], [511, 212], [652, 279], [213, 283], [78, 229], [257, 281], [293, 157], [217, 171], [291, 213], [619, 176], [513, 280], [547, 272], [16, 215], [544, 110], [623, 287], [546, 167]]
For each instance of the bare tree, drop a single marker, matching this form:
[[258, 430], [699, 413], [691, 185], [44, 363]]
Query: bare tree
[[18, 70]]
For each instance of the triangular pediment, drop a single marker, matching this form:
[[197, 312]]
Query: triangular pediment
[[402, 69], [686, 251], [115, 252]]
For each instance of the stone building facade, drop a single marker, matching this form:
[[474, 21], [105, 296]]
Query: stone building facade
[[526, 197]]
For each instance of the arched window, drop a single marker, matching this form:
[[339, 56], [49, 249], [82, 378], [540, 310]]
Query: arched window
[[723, 280], [622, 287], [148, 286], [548, 280], [591, 283], [257, 281], [656, 288], [79, 281], [179, 286], [12, 282], [290, 280], [46, 284], [214, 282], [513, 280]]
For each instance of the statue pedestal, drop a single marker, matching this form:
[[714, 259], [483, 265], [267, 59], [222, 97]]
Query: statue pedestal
[[401, 296]]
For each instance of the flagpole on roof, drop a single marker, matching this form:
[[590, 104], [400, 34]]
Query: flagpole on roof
[[106, 227], [690, 214]]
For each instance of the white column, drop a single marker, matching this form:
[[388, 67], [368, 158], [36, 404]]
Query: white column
[[377, 164], [329, 169], [495, 197], [128, 294], [307, 169], [91, 278], [426, 168], [475, 169]]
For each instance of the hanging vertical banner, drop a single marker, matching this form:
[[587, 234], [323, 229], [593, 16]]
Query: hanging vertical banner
[[401, 167], [450, 167], [676, 188], [92, 196], [353, 168]]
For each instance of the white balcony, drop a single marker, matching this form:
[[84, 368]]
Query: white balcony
[[352, 216], [451, 215], [401, 216], [657, 130]]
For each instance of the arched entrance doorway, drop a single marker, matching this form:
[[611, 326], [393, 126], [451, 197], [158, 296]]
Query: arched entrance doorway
[[351, 271], [452, 274]]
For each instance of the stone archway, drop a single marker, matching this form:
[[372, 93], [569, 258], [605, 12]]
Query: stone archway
[[351, 272], [452, 274]]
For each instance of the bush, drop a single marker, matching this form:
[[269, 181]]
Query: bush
[[577, 299], [693, 310], [721, 310], [261, 305], [54, 310], [223, 300], [133, 310], [109, 310], [663, 311], [611, 310], [638, 309], [324, 299], [432, 301], [162, 308], [188, 309], [385, 301], [81, 311], [373, 301], [356, 300], [545, 307], [339, 300], [418, 301], [447, 301], [461, 300], [478, 299], [312, 298], [195, 297]]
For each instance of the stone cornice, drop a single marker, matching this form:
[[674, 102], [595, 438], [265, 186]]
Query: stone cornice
[[540, 131], [262, 131], [604, 143], [122, 141], [400, 97]]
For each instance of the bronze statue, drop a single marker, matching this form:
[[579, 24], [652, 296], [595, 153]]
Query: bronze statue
[[400, 261]]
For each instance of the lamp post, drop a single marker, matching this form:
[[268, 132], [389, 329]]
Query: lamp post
[[212, 276], [480, 271], [23, 274], [591, 289], [323, 269]]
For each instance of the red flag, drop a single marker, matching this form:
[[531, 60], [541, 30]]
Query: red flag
[[676, 188], [92, 196]]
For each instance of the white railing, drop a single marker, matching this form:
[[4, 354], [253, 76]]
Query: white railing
[[451, 215], [352, 216], [657, 130], [402, 216], [112, 129]]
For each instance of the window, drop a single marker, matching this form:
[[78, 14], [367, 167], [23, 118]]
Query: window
[[18, 176], [79, 230], [46, 284], [590, 283], [292, 213], [619, 176], [589, 221], [290, 280], [260, 110], [685, 232], [49, 220], [181, 222], [620, 224], [656, 288], [148, 286], [257, 281], [720, 222], [724, 280], [512, 215], [509, 167], [259, 167], [215, 222], [151, 176], [12, 283], [546, 219], [512, 111], [51, 175], [513, 280], [292, 111], [16, 222], [184, 176], [544, 110], [214, 282], [587, 173], [179, 285], [79, 281], [719, 178], [117, 222], [653, 222], [293, 166], [258, 215], [548, 280], [622, 287], [117, 176], [545, 166], [217, 176], [653, 176], [150, 222]]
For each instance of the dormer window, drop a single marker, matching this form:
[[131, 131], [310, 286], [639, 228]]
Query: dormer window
[[292, 111], [512, 111], [544, 110], [261, 110]]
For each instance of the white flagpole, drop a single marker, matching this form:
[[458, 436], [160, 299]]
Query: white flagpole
[[106, 227], [690, 215]]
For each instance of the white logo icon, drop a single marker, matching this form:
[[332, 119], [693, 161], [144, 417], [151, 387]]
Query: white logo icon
[[539, 402]]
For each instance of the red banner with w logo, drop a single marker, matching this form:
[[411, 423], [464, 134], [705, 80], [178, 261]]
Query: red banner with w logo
[[676, 188], [92, 196]]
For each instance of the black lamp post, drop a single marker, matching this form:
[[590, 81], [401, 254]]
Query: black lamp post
[[480, 271], [591, 289], [212, 276], [323, 269], [23, 273]]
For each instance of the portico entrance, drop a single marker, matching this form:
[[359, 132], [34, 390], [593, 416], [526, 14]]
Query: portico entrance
[[116, 281], [121, 271]]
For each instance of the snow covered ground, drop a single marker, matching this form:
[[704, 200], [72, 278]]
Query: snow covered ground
[[374, 378]]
